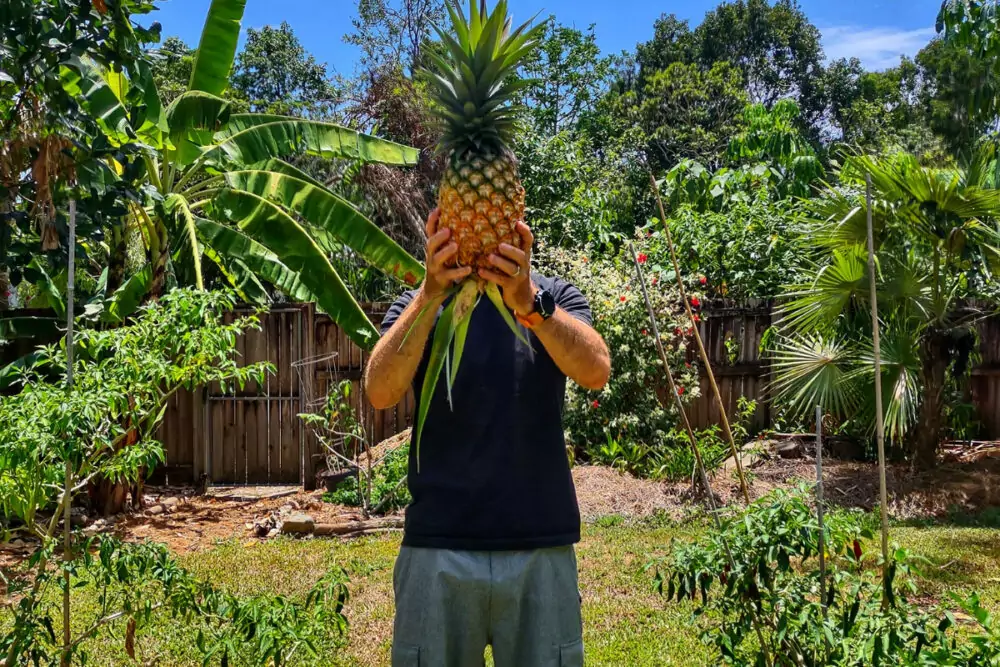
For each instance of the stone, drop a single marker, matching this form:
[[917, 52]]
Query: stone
[[171, 502], [298, 524], [78, 518], [273, 533], [17, 544], [156, 509], [791, 449]]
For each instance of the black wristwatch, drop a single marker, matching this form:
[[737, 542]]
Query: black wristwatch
[[544, 308]]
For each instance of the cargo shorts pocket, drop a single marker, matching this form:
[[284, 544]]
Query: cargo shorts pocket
[[571, 655], [406, 656]]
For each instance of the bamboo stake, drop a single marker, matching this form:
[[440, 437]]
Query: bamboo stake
[[819, 508], [701, 347], [68, 473], [699, 463], [879, 423]]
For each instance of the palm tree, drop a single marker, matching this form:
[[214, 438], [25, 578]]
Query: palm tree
[[937, 242], [219, 186]]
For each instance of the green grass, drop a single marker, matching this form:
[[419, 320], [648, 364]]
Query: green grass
[[625, 622]]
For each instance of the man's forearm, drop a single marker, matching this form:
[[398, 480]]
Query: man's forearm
[[393, 363], [578, 350]]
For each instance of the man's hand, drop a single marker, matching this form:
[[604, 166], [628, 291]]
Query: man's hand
[[513, 273], [438, 277]]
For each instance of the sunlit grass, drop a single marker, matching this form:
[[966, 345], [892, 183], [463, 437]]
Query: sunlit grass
[[626, 622]]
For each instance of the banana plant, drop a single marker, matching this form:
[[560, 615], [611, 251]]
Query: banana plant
[[220, 191]]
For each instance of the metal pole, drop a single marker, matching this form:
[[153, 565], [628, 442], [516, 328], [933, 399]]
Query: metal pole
[[691, 437], [879, 424], [68, 472], [819, 508]]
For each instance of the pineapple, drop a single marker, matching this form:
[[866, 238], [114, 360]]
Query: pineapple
[[480, 197]]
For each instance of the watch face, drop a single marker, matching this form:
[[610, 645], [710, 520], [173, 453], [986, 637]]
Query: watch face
[[545, 303]]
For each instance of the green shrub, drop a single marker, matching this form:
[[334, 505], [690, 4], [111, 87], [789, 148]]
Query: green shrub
[[388, 491], [627, 413], [769, 593]]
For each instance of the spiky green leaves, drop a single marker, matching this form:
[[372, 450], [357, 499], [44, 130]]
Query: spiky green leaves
[[474, 85]]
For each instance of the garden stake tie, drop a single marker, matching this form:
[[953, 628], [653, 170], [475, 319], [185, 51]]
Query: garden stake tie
[[701, 347], [690, 433], [879, 424]]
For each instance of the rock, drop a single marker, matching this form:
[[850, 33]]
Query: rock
[[156, 509], [78, 518], [791, 449], [298, 523], [17, 544], [171, 502], [273, 533]]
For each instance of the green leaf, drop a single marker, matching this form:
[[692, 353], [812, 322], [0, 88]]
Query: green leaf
[[194, 118], [493, 293], [214, 59], [290, 136], [177, 205], [83, 79], [268, 224], [128, 297], [444, 331], [253, 256], [323, 209]]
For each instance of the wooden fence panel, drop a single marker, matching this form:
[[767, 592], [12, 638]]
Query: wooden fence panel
[[260, 438]]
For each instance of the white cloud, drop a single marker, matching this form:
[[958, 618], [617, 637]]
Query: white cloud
[[877, 48]]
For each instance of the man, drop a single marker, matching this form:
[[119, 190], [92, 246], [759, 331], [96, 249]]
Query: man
[[488, 554]]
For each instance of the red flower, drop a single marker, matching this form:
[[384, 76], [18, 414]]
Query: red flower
[[688, 364], [595, 404], [690, 331], [697, 318], [622, 298], [677, 331], [655, 280], [857, 550], [695, 303], [680, 390], [703, 280], [645, 333], [642, 258]]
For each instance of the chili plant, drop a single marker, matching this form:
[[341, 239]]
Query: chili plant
[[55, 440], [756, 582]]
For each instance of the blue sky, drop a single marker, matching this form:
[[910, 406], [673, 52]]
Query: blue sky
[[876, 31]]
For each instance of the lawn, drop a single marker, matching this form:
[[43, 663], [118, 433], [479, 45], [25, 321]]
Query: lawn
[[626, 623]]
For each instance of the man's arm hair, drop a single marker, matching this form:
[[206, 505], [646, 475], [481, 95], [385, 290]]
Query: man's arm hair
[[393, 363], [576, 348]]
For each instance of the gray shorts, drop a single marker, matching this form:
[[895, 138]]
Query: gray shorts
[[451, 604]]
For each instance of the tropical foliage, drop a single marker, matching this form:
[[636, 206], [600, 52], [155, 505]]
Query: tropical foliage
[[938, 243]]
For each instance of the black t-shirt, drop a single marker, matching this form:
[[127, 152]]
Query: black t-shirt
[[494, 474]]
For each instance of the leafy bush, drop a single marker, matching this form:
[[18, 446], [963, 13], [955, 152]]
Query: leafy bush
[[629, 410], [55, 440], [388, 491], [748, 251], [765, 562]]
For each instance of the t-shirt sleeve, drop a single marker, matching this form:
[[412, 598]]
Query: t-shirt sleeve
[[572, 300], [395, 310]]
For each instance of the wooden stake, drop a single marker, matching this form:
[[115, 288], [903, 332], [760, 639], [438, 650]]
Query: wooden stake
[[701, 348], [68, 472], [879, 423], [699, 463], [819, 508]]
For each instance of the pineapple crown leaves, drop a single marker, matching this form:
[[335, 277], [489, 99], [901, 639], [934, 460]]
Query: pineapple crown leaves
[[474, 84]]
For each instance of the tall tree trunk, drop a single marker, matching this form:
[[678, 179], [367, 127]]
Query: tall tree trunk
[[930, 421]]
